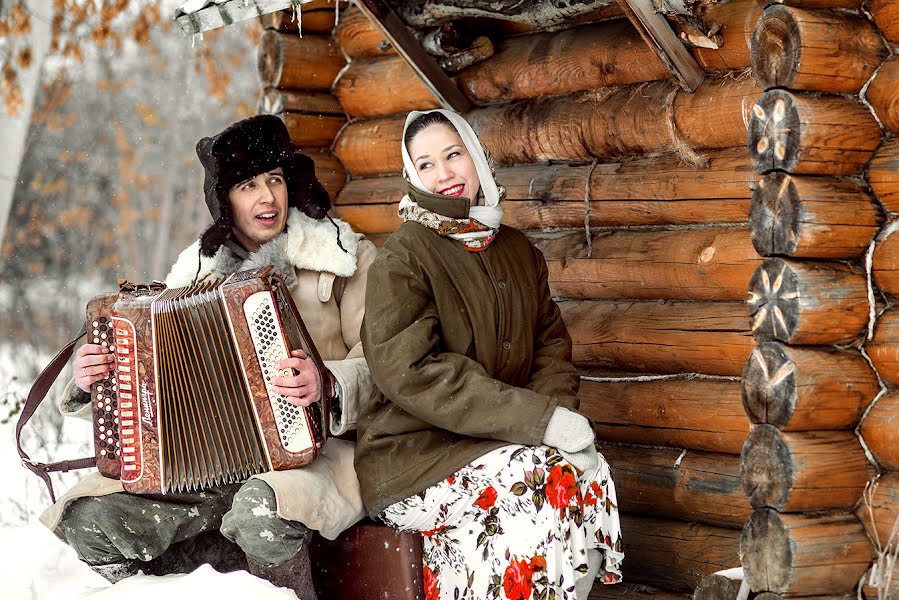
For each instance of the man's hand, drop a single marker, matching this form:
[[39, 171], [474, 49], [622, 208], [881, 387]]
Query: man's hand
[[301, 389], [92, 363]]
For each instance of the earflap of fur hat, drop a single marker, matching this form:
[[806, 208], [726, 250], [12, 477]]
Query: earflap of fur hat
[[305, 190], [210, 180]]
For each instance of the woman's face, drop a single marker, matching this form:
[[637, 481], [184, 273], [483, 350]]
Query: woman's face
[[443, 162]]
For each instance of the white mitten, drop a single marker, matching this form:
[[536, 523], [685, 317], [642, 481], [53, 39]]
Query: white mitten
[[582, 460], [568, 431]]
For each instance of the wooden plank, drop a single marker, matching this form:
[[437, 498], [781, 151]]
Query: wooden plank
[[222, 15], [656, 31], [383, 17]]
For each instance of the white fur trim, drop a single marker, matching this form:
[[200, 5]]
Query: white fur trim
[[308, 244]]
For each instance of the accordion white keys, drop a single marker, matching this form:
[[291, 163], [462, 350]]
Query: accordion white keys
[[190, 404]]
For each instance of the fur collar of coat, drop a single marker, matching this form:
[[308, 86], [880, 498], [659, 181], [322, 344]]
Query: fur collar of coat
[[309, 244]]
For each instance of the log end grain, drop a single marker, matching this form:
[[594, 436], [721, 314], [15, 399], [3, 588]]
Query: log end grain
[[776, 49], [766, 551], [766, 468], [769, 385], [774, 132], [774, 302], [883, 175], [775, 215], [883, 349], [717, 587], [883, 94]]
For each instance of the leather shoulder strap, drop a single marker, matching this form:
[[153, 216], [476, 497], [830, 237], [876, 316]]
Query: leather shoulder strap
[[35, 396]]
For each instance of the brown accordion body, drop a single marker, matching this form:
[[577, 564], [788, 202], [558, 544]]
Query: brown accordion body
[[189, 404]]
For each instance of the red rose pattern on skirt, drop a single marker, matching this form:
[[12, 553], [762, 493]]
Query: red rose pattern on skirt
[[515, 524]]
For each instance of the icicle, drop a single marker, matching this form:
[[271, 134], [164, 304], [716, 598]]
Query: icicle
[[336, 13], [299, 12]]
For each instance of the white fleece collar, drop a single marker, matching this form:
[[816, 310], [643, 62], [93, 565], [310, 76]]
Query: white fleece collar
[[307, 244]]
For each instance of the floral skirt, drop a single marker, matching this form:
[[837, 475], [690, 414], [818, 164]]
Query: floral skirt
[[514, 524]]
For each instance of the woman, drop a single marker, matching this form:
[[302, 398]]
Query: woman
[[473, 438]]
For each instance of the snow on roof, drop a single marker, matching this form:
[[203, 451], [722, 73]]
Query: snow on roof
[[192, 6]]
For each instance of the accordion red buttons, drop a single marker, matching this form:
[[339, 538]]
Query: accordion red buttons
[[190, 403]]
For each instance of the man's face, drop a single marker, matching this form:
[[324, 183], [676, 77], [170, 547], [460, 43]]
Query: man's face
[[260, 208]]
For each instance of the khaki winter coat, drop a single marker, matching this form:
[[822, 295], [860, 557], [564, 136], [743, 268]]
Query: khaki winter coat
[[328, 287], [468, 351]]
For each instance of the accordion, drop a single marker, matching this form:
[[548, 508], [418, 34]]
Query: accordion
[[190, 404]]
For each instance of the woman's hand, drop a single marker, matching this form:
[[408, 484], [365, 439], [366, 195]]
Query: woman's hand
[[92, 363], [301, 389]]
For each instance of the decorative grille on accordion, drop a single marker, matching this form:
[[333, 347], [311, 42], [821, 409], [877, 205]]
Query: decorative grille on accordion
[[190, 405]]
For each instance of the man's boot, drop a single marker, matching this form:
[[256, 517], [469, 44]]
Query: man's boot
[[294, 573]]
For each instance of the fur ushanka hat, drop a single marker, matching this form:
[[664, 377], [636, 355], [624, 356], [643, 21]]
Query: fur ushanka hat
[[244, 150]]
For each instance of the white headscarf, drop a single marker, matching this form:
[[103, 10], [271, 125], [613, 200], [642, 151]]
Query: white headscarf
[[491, 213]]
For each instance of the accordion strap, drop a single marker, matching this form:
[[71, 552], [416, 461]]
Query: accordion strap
[[35, 396]]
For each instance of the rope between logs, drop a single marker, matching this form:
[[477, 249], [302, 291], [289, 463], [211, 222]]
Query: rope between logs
[[675, 376], [869, 277], [858, 428], [680, 146], [589, 238]]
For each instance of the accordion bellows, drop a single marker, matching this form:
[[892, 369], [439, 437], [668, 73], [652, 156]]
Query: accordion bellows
[[190, 403]]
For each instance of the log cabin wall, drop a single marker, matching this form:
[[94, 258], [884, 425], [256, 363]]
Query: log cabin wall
[[298, 61], [639, 195], [814, 387]]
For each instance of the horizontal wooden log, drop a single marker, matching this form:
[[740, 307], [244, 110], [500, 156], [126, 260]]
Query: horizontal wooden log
[[689, 413], [315, 17], [390, 80], [886, 15], [807, 303], [879, 512], [286, 60], [715, 115], [273, 101], [359, 38], [658, 190], [329, 171], [701, 487], [735, 21], [847, 4], [883, 94], [718, 587], [803, 555], [688, 264], [885, 262], [811, 217], [670, 337], [883, 348], [550, 64], [883, 175], [630, 591], [817, 50], [600, 55], [312, 131], [675, 555], [792, 388], [879, 431], [803, 471], [773, 596], [621, 122], [818, 135]]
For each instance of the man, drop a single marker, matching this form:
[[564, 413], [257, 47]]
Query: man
[[268, 208]]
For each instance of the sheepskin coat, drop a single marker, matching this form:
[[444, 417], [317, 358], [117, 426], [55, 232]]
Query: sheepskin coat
[[327, 280]]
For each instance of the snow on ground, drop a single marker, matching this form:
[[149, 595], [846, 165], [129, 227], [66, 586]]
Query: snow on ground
[[35, 565]]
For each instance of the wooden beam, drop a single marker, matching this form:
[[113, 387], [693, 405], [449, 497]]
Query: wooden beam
[[446, 91], [656, 32], [222, 15]]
